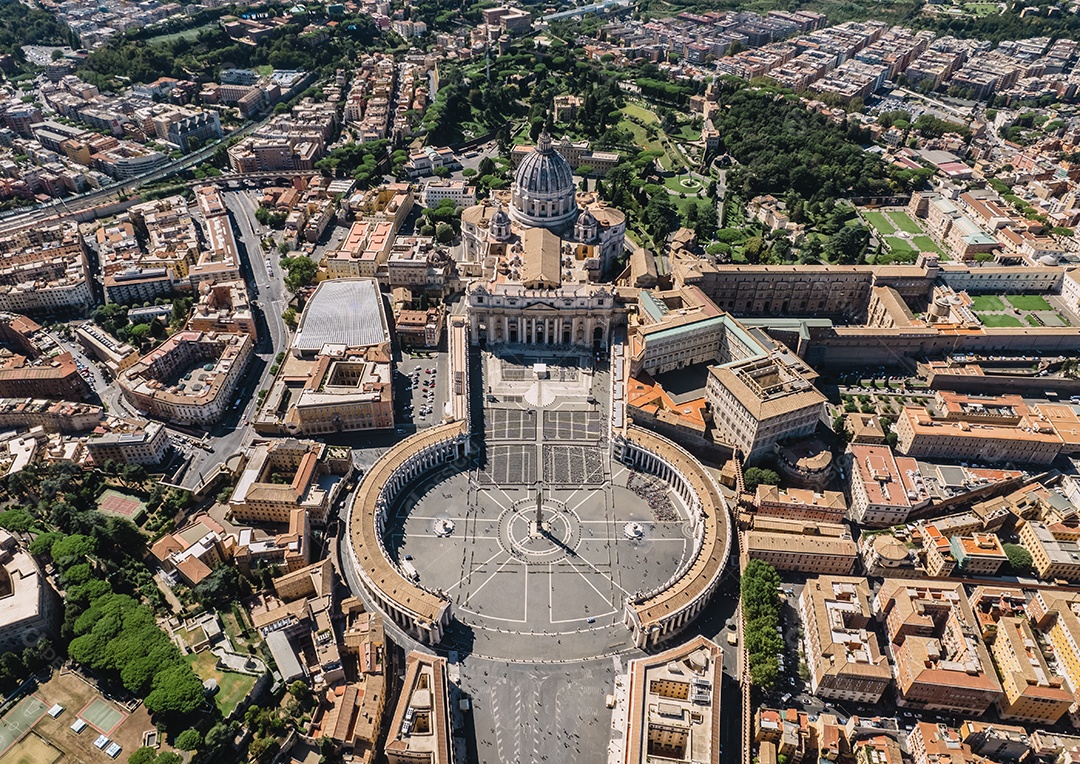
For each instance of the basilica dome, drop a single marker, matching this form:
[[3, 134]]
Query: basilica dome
[[543, 193]]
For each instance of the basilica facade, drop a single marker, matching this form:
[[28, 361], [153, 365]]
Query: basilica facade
[[541, 251]]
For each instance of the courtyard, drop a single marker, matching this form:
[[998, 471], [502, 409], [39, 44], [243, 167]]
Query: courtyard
[[901, 233], [1018, 310]]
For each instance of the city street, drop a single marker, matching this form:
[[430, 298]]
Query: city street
[[269, 298]]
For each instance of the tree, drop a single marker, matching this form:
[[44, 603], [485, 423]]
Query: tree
[[848, 244], [657, 216], [133, 474], [290, 318], [1019, 558], [755, 476], [188, 740], [137, 334], [72, 549], [301, 271], [220, 587], [176, 691], [144, 755], [753, 249], [216, 736], [761, 609], [444, 232]]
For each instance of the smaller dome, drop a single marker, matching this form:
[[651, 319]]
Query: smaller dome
[[500, 218], [587, 218]]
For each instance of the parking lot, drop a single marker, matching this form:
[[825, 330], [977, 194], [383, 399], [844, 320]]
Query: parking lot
[[421, 388]]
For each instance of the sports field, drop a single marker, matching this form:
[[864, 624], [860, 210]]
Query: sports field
[[113, 502], [19, 720], [31, 750], [102, 716]]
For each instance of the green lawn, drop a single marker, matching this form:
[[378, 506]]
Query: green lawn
[[675, 184], [185, 34], [926, 244], [688, 132], [999, 319], [980, 9], [1031, 319], [232, 687], [646, 116], [642, 138], [902, 221], [1028, 302], [985, 302], [898, 245], [879, 221]]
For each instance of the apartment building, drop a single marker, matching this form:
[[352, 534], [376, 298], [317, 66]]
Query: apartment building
[[421, 729], [44, 270], [939, 744], [800, 504], [188, 379], [435, 191], [289, 474], [809, 547], [30, 608], [1032, 690], [760, 401], [363, 250], [978, 555], [939, 661], [1055, 550], [841, 647], [28, 367], [1026, 439], [223, 307], [128, 442], [1055, 614], [673, 704], [884, 489]]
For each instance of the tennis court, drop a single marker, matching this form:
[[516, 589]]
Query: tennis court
[[102, 715], [19, 720], [115, 503], [31, 750]]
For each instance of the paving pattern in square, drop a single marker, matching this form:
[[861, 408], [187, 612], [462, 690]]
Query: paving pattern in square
[[510, 424], [539, 542], [510, 464], [571, 425], [573, 465]]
